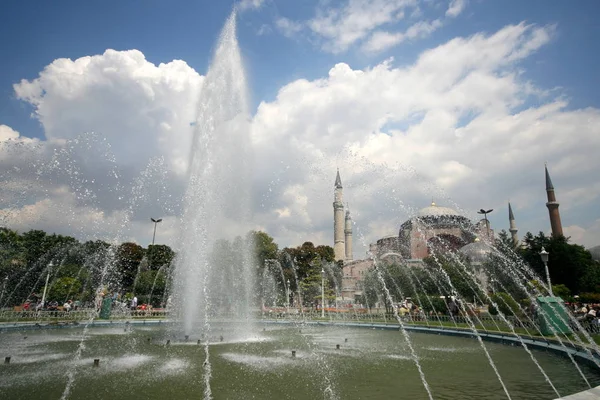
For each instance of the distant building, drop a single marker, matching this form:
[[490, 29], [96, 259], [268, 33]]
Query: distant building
[[433, 230], [552, 205], [342, 224]]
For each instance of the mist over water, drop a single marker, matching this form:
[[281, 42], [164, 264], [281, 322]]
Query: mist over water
[[217, 200]]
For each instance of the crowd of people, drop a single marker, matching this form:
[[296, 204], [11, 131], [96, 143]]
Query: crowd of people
[[587, 312]]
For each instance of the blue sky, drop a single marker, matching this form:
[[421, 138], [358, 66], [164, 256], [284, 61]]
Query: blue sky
[[291, 47], [186, 30]]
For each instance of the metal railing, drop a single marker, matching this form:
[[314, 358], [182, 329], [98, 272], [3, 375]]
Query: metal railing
[[77, 315], [481, 322]]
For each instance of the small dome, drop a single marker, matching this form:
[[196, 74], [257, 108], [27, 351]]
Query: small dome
[[477, 251], [436, 211], [595, 253]]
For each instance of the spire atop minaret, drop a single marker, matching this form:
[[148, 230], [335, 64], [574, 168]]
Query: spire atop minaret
[[513, 226], [552, 205], [338, 180], [549, 185]]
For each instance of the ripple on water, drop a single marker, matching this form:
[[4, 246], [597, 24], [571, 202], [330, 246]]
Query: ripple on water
[[39, 357], [258, 362], [129, 361], [450, 349], [173, 366], [399, 357]]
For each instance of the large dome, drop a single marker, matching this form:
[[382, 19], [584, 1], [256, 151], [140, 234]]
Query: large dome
[[436, 211], [476, 252]]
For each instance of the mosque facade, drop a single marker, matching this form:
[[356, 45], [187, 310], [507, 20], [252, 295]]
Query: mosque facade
[[432, 230]]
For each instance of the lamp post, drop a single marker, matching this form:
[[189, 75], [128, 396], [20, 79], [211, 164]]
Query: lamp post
[[4, 282], [156, 221], [487, 223], [544, 255], [322, 293], [50, 265], [287, 295]]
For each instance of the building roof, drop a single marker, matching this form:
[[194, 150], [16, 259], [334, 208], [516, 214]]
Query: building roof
[[476, 252], [511, 216], [338, 180], [549, 185], [436, 211]]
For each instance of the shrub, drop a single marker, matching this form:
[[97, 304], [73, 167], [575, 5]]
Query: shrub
[[506, 304]]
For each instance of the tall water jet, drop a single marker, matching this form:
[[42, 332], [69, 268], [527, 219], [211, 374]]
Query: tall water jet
[[212, 275]]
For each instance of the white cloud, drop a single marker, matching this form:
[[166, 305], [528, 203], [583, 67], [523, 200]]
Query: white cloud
[[342, 27], [244, 5], [381, 40], [456, 120], [139, 111], [122, 96], [587, 236], [369, 23], [455, 8], [288, 27], [7, 133], [455, 125], [264, 30]]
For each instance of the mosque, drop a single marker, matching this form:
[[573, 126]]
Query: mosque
[[432, 230]]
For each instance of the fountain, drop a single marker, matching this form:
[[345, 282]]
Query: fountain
[[217, 198], [215, 344]]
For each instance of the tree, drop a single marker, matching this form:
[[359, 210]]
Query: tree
[[568, 264], [307, 258], [159, 255], [264, 247], [150, 286], [454, 278], [504, 241], [63, 289], [127, 260]]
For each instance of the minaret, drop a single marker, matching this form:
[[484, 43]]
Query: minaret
[[513, 226], [552, 205], [339, 247], [348, 236]]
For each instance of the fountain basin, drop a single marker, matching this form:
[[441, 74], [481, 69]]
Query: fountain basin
[[373, 363]]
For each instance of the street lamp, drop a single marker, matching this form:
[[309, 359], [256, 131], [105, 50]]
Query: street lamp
[[5, 281], [156, 221], [487, 223], [287, 295], [50, 265], [544, 255], [322, 293]]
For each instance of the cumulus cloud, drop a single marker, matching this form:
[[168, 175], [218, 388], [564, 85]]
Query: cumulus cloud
[[372, 24], [457, 124], [7, 133], [122, 96], [588, 236], [244, 5], [288, 27], [382, 40], [342, 27], [460, 124], [455, 8], [118, 138]]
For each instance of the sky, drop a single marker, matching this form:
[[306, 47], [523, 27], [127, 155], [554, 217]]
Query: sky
[[460, 102]]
